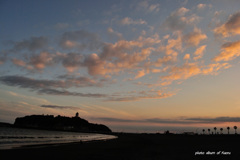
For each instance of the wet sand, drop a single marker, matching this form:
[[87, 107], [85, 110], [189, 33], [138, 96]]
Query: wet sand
[[136, 147]]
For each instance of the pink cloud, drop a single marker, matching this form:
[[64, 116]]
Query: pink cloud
[[199, 52], [152, 94], [189, 70], [129, 21], [213, 68], [186, 57], [231, 27], [229, 51], [40, 61], [183, 72], [120, 56], [194, 38], [19, 62], [140, 74]]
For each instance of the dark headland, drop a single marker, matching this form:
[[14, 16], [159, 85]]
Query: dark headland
[[60, 123]]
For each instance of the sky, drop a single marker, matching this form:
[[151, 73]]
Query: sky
[[136, 66]]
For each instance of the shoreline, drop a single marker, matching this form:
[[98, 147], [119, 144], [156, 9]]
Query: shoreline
[[136, 146]]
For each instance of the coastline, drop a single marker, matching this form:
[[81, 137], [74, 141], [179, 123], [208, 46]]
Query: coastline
[[14, 137], [135, 146]]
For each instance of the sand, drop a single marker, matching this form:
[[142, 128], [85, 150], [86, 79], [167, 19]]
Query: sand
[[136, 147]]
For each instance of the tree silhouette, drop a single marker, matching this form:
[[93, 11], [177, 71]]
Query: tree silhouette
[[235, 127], [209, 131], [203, 131], [221, 129], [215, 128], [228, 128]]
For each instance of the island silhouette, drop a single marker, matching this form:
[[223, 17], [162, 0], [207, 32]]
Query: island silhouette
[[60, 123]]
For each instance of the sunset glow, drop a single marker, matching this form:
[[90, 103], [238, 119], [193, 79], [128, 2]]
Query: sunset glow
[[132, 65]]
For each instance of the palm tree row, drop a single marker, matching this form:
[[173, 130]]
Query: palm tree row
[[221, 129]]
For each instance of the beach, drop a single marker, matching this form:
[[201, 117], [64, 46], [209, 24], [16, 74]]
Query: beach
[[136, 146]]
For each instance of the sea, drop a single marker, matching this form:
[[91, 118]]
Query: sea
[[17, 137]]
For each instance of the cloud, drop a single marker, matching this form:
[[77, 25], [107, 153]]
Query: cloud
[[111, 59], [188, 70], [214, 68], [67, 93], [186, 57], [80, 40], [174, 45], [142, 95], [67, 82], [152, 120], [114, 33], [231, 27], [60, 107], [82, 81], [178, 20], [53, 87], [21, 63], [95, 65], [140, 74], [130, 21], [171, 50], [201, 6], [193, 120], [18, 62], [71, 61], [108, 119], [229, 51], [164, 60], [215, 120], [120, 49], [120, 56], [35, 99], [199, 52], [149, 8], [194, 38], [41, 60], [32, 44], [35, 61], [24, 82], [183, 72]]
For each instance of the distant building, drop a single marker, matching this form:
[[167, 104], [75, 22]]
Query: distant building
[[77, 115]]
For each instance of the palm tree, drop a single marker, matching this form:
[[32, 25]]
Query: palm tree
[[203, 131], [235, 127], [209, 131], [215, 128], [228, 128], [221, 129]]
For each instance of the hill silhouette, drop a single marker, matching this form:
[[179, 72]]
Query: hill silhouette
[[49, 122]]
